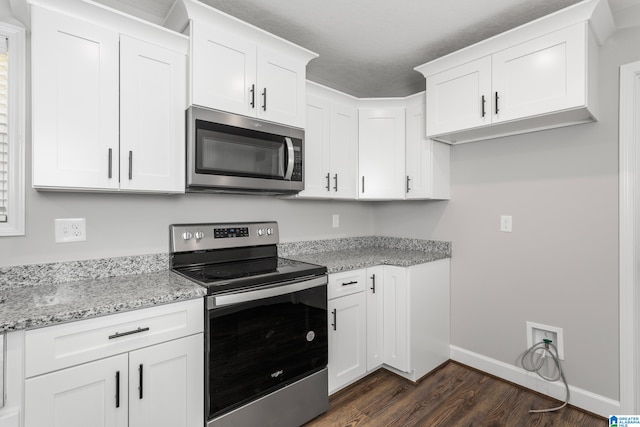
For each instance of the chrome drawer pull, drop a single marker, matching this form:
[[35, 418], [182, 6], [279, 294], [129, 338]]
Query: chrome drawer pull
[[124, 334], [350, 283]]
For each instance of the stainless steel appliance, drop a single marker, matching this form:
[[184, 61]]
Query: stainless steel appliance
[[237, 154], [266, 324]]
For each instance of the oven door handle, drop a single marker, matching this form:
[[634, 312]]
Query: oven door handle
[[290, 159], [216, 301]]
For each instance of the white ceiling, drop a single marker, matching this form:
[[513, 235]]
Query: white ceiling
[[368, 48]]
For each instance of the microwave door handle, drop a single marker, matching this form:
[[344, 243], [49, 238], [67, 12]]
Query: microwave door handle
[[290, 158]]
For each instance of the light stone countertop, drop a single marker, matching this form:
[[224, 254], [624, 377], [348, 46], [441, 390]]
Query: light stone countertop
[[362, 252], [33, 296], [25, 304]]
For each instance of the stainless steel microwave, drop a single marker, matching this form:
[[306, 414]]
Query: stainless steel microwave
[[236, 154]]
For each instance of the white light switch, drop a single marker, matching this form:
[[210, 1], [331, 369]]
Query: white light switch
[[506, 223]]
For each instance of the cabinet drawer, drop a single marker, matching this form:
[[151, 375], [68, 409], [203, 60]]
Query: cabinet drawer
[[346, 283], [56, 347]]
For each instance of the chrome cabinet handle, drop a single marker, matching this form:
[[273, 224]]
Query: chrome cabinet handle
[[408, 181], [253, 95], [353, 282], [130, 164], [264, 100], [124, 334], [497, 97], [363, 184], [373, 287], [328, 187], [335, 318], [109, 174], [335, 179]]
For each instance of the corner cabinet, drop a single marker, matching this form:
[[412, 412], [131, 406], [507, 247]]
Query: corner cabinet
[[108, 107], [538, 76], [140, 368], [427, 161], [381, 153], [405, 327], [238, 68], [331, 145]]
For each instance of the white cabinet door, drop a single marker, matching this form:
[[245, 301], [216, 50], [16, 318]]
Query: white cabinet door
[[75, 103], [375, 317], [381, 153], [280, 89], [427, 161], [152, 126], [344, 151], [459, 98], [93, 394], [396, 318], [347, 339], [317, 148], [223, 70], [165, 386], [540, 76]]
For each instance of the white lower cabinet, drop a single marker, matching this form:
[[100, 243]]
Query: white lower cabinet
[[149, 385], [375, 324], [11, 414], [406, 325], [347, 327]]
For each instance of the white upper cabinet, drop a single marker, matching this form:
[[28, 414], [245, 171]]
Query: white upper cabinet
[[538, 76], [230, 87], [331, 145], [241, 69], [543, 75], [152, 126], [381, 153], [427, 161], [108, 104], [459, 98], [75, 102]]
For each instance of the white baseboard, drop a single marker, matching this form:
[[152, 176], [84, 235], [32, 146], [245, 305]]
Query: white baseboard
[[586, 400]]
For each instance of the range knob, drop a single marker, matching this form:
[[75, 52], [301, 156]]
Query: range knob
[[260, 231], [199, 235], [186, 235], [269, 231]]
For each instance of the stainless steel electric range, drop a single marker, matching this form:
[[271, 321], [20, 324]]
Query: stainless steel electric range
[[266, 324]]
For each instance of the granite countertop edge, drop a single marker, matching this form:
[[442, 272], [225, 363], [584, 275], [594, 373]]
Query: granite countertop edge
[[33, 296]]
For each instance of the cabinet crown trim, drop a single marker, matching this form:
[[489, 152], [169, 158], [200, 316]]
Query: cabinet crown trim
[[596, 12], [185, 11]]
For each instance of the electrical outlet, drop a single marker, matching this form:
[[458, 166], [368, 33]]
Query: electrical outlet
[[70, 230], [336, 220], [506, 223], [537, 333]]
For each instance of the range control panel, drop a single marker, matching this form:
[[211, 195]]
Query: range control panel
[[193, 237]]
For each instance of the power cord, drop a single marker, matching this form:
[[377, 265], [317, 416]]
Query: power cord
[[534, 359]]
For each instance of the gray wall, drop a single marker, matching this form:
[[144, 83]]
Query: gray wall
[[130, 224], [559, 266]]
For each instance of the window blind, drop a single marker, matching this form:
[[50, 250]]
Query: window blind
[[4, 128]]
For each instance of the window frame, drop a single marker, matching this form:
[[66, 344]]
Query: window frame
[[16, 108]]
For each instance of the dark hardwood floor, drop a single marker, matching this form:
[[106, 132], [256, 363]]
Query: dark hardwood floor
[[453, 395]]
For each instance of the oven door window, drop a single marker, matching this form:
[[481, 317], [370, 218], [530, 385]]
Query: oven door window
[[261, 346], [243, 153]]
